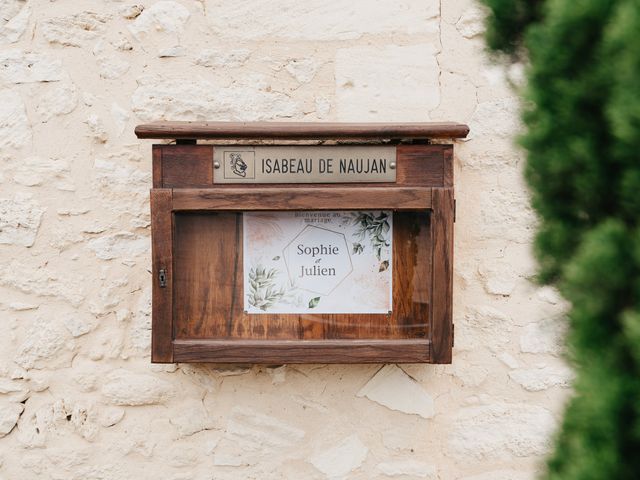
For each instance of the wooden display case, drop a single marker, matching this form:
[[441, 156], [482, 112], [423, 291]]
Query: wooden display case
[[199, 312]]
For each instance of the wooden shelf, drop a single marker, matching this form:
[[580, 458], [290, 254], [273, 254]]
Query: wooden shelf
[[300, 130]]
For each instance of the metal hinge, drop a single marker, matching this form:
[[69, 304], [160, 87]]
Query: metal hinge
[[162, 278]]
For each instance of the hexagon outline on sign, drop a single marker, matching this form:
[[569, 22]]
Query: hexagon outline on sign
[[344, 274]]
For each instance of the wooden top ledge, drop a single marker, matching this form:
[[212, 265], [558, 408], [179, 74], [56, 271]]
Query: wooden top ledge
[[300, 130]]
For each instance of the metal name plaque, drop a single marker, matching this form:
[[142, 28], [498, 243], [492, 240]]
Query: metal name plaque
[[304, 164]]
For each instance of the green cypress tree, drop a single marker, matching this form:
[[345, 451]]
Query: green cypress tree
[[581, 111]]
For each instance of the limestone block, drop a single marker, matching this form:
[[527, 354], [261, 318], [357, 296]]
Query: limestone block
[[546, 336], [112, 173], [140, 330], [400, 439], [10, 8], [321, 19], [75, 30], [79, 324], [119, 245], [196, 99], [13, 390], [164, 16], [481, 160], [9, 414], [459, 55], [251, 437], [45, 346], [343, 458], [111, 416], [551, 296], [67, 285], [21, 307], [542, 377], [497, 118], [68, 458], [124, 387], [394, 389], [20, 219], [368, 86], [509, 360], [15, 129], [471, 22], [72, 212], [83, 419], [182, 456], [108, 298], [14, 21], [33, 171], [140, 333], [190, 417], [499, 278], [17, 66], [86, 380], [303, 69], [306, 402], [323, 107], [483, 326], [30, 435], [469, 374], [97, 130], [172, 52], [411, 468], [222, 57], [60, 418], [38, 380], [61, 236], [501, 430], [506, 215], [110, 65], [131, 11], [140, 441], [160, 27], [60, 99], [458, 98]]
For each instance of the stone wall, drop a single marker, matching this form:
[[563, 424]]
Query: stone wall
[[78, 396]]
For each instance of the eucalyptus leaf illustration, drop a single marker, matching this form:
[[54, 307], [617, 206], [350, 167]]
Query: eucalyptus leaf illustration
[[263, 292], [357, 248], [384, 265], [276, 258], [376, 227], [313, 303]]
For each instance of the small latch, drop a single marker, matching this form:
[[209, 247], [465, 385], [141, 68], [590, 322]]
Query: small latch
[[162, 277]]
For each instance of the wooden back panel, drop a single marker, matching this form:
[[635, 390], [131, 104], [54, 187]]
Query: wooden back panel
[[208, 298]]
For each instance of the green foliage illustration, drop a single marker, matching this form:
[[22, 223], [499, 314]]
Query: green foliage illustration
[[263, 292], [582, 136], [374, 227]]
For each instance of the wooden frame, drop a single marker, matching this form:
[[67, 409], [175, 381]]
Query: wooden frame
[[184, 196]]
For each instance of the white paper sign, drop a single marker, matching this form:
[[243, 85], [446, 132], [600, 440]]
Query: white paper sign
[[318, 262]]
